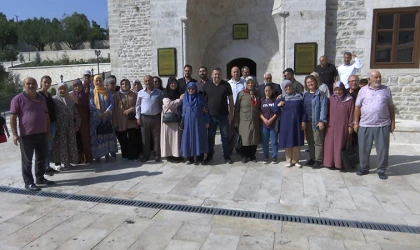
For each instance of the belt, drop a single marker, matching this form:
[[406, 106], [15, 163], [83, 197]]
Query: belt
[[149, 116]]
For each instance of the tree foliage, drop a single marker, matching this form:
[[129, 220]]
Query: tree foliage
[[96, 33], [76, 30], [36, 32], [8, 39]]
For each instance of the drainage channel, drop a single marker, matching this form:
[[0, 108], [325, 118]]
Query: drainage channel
[[219, 211]]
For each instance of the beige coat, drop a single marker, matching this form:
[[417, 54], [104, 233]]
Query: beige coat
[[248, 119], [170, 135], [123, 102]]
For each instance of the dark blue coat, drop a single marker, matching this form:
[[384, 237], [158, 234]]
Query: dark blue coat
[[194, 136], [291, 116]]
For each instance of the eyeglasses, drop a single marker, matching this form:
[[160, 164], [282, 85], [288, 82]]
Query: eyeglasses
[[156, 82]]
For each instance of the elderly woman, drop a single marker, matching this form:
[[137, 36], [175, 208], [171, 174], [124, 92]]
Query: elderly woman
[[170, 135], [292, 124], [195, 123], [102, 136], [45, 86], [81, 100], [247, 119], [124, 120], [269, 120], [316, 109], [340, 126], [64, 145]]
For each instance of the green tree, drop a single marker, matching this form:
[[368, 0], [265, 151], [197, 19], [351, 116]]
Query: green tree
[[8, 34], [35, 32], [76, 30], [55, 32], [96, 33], [8, 53]]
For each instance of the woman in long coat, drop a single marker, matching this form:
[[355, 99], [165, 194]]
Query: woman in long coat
[[101, 105], [247, 119], [170, 135], [81, 100], [340, 125], [195, 124], [64, 145], [126, 129], [292, 124]]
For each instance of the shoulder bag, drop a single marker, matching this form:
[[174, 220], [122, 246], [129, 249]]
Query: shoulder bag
[[131, 115]]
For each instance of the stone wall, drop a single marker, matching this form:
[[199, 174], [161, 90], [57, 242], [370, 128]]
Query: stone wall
[[85, 54], [130, 38], [62, 46], [69, 72], [349, 28]]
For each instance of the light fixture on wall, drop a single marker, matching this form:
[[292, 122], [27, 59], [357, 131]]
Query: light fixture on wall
[[61, 77]]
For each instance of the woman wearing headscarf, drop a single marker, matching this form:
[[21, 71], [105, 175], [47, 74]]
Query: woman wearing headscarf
[[340, 125], [102, 136], [81, 100], [170, 135], [195, 123], [316, 110], [292, 123], [64, 145], [247, 119], [123, 116]]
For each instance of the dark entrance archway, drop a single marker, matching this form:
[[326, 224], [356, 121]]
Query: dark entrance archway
[[241, 62]]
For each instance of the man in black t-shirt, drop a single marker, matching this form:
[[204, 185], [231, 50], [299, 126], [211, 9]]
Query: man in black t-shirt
[[182, 82], [217, 94]]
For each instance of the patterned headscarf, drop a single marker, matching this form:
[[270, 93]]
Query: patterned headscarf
[[343, 97], [66, 98], [99, 89], [251, 92]]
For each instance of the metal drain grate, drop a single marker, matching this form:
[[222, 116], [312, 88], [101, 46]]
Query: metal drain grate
[[219, 211]]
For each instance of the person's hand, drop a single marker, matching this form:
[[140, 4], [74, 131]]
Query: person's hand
[[236, 125], [139, 122], [354, 55], [230, 117], [320, 125], [392, 126], [76, 128], [303, 126], [181, 97], [281, 104], [269, 122], [207, 125], [16, 140], [103, 116], [350, 130], [356, 127], [205, 110], [278, 97], [128, 111]]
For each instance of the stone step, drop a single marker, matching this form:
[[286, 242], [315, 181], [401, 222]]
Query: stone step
[[406, 132]]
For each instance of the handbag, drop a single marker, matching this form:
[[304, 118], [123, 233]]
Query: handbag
[[350, 155], [131, 115], [236, 141], [170, 117], [104, 128]]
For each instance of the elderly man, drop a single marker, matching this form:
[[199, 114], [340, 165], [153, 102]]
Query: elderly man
[[34, 127], [245, 73], [354, 86], [268, 79], [289, 74], [148, 110], [375, 107], [327, 72], [236, 83], [111, 84], [348, 69], [182, 82]]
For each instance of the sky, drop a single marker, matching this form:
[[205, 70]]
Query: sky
[[96, 10]]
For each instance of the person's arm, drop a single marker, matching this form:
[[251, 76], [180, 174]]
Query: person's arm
[[356, 116], [231, 108], [351, 116], [236, 111], [357, 63], [392, 115], [305, 112], [138, 109], [323, 118], [6, 129], [13, 127]]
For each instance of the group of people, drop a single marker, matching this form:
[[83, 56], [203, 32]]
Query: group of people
[[180, 122]]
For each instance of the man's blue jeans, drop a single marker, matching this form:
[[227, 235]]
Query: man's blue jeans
[[223, 123], [267, 135]]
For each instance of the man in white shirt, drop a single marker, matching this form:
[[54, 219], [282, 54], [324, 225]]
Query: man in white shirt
[[347, 69], [236, 83]]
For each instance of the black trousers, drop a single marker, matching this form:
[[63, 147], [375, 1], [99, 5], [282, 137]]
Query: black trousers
[[150, 130], [249, 151], [128, 140], [29, 144]]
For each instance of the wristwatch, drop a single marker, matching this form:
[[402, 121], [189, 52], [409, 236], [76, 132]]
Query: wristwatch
[[355, 123]]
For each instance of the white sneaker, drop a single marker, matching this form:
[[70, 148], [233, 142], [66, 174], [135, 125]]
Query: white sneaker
[[298, 165], [289, 165]]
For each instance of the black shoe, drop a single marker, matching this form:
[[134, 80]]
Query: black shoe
[[44, 181], [363, 172], [228, 160], [274, 160], [145, 158], [243, 159], [317, 164], [253, 159], [382, 176], [310, 162], [157, 158], [208, 159], [50, 171], [32, 187], [265, 161]]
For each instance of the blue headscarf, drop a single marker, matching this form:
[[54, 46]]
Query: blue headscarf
[[191, 100]]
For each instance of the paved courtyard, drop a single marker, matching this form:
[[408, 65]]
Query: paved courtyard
[[47, 223]]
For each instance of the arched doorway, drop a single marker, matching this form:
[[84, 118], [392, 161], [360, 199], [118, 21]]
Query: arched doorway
[[241, 62]]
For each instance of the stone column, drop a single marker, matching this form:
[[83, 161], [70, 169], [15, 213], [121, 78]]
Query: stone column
[[184, 41]]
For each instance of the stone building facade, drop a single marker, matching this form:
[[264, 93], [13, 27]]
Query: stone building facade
[[202, 33]]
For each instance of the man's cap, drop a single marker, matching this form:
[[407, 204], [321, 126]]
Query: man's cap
[[87, 72]]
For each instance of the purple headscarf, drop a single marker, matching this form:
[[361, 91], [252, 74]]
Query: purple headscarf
[[343, 97]]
